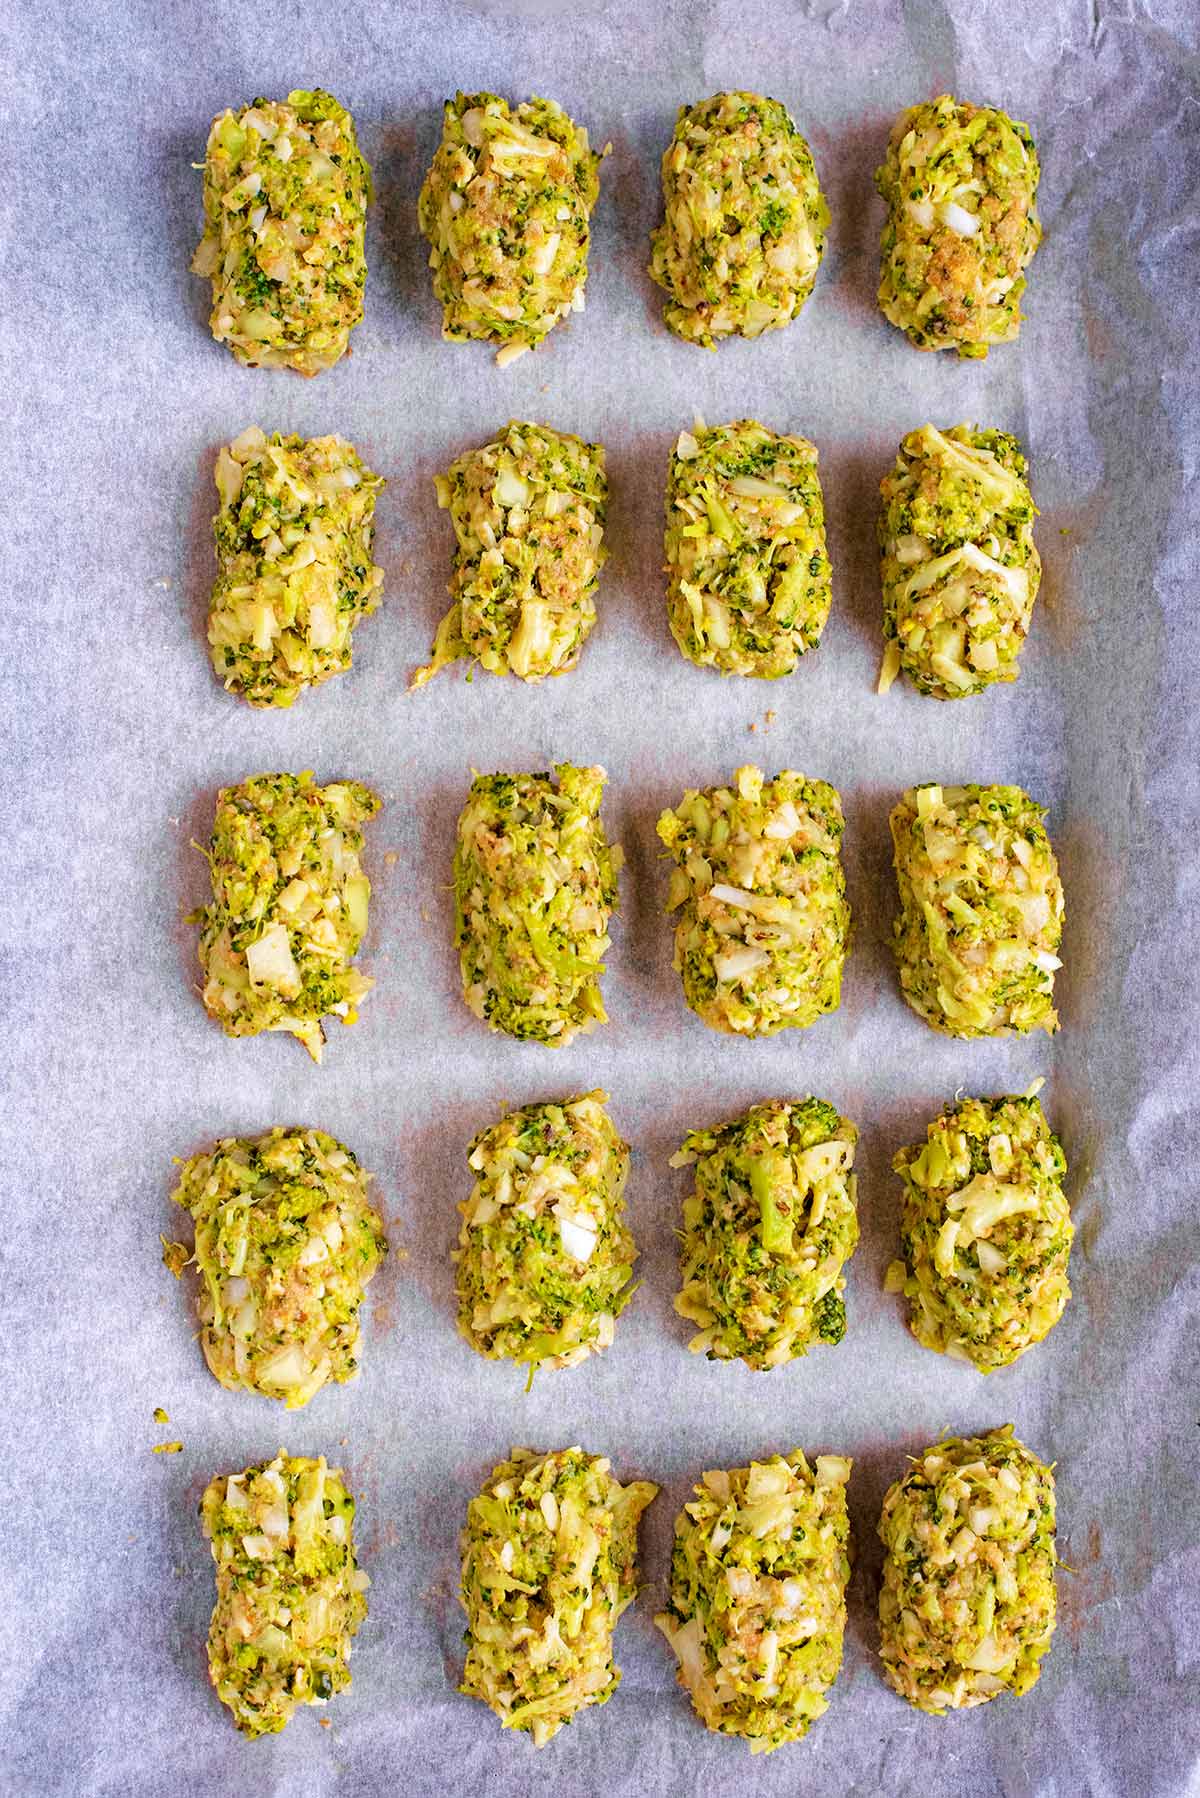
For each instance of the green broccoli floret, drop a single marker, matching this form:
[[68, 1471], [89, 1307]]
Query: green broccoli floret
[[774, 218], [829, 1318]]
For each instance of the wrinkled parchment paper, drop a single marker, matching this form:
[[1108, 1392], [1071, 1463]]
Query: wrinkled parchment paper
[[118, 736]]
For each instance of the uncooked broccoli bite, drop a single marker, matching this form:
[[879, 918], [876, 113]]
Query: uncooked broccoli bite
[[544, 1258], [744, 220], [985, 1231], [966, 1609], [289, 906], [745, 541], [286, 1241], [290, 1594], [286, 191], [767, 1232], [528, 513], [763, 920], [294, 568], [981, 910], [758, 1596], [548, 1566], [960, 183], [506, 207], [535, 883], [960, 570]]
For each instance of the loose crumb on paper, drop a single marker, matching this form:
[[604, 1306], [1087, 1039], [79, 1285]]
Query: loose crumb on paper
[[175, 1256]]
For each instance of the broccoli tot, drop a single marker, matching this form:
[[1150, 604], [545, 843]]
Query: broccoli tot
[[506, 208], [758, 1596], [960, 183], [549, 1563], [294, 568], [289, 906], [981, 910], [744, 222], [535, 883], [745, 543], [985, 1231], [967, 1604], [768, 1231], [544, 1260], [960, 570], [528, 513], [286, 191], [286, 1241], [290, 1594], [758, 883]]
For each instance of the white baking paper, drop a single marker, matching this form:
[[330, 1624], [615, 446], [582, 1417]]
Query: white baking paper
[[117, 737]]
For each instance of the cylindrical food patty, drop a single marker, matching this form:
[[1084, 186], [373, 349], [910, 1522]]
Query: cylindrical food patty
[[528, 513], [286, 1241], [758, 1596], [960, 183], [544, 1260], [289, 906], [960, 570], [549, 1563], [535, 883], [768, 1231], [966, 1609], [286, 191], [744, 220], [290, 1594], [294, 568], [763, 920], [506, 207], [745, 542], [985, 1231], [981, 910]]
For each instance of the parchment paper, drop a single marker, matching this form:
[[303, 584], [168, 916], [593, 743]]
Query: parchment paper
[[117, 738]]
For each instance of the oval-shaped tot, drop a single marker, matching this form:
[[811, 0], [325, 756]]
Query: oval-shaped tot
[[981, 910], [549, 1563], [528, 513], [960, 183], [959, 567], [286, 1241], [749, 574], [290, 1593], [286, 191], [744, 220], [506, 207], [985, 1230], [289, 906], [294, 568], [967, 1604], [768, 1231], [535, 884], [544, 1260], [758, 1596], [763, 922]]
